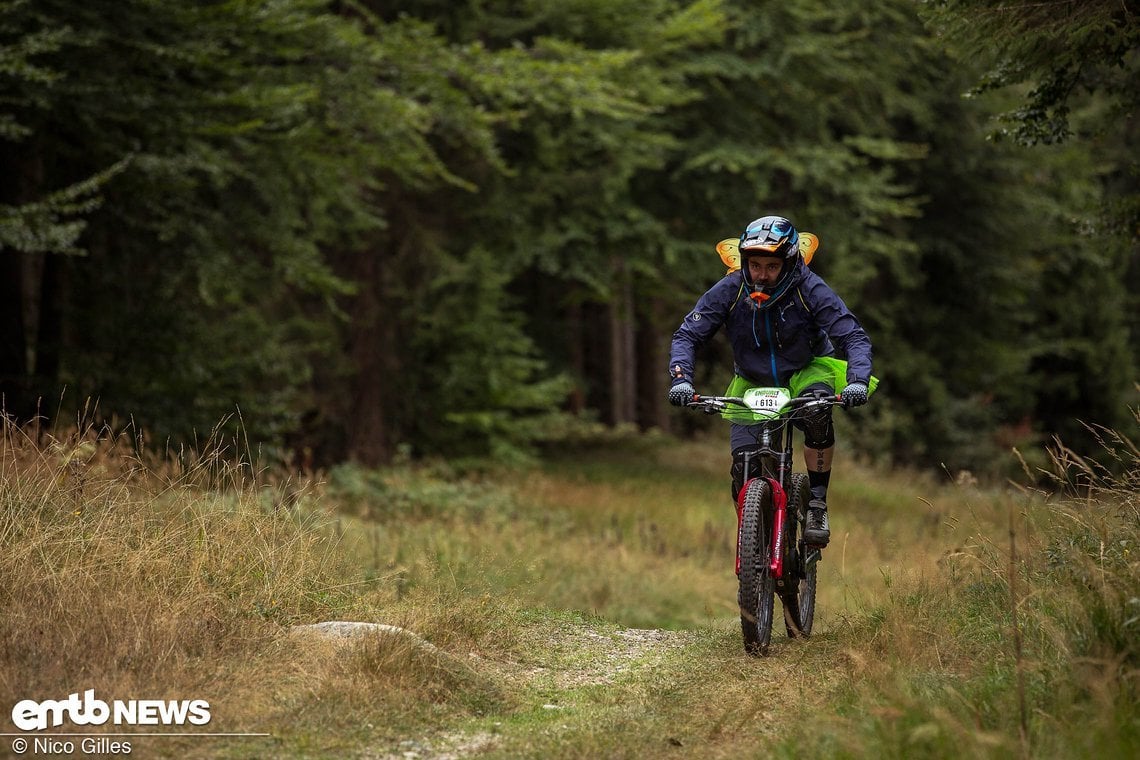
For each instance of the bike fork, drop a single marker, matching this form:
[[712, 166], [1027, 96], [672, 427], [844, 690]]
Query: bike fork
[[779, 516], [740, 519], [780, 512]]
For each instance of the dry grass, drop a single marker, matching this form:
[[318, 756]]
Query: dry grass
[[178, 577], [133, 576]]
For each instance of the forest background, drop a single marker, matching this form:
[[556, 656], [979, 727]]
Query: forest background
[[368, 230]]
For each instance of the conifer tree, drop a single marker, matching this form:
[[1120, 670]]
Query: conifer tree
[[1067, 71]]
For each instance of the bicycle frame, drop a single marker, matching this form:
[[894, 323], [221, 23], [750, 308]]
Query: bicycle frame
[[779, 563], [773, 460]]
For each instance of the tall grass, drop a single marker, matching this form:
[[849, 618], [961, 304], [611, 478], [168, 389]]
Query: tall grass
[[131, 573], [1026, 644], [178, 576], [940, 631]]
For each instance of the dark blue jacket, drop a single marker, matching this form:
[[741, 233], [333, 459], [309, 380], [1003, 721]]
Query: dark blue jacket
[[768, 346]]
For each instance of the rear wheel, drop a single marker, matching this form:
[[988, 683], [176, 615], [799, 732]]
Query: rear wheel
[[799, 604], [757, 591]]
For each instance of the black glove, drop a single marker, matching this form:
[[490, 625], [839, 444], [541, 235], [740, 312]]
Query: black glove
[[855, 394], [681, 393]]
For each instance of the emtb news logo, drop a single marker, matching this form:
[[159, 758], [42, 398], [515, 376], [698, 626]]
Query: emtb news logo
[[30, 715]]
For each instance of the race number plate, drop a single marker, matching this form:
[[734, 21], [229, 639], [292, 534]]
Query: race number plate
[[767, 402]]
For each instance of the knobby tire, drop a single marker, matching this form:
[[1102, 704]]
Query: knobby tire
[[756, 596], [799, 604]]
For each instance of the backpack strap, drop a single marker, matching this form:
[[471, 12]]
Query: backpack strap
[[800, 293], [737, 299]]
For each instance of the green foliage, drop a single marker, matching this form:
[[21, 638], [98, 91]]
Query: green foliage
[[208, 200], [569, 123], [433, 217], [402, 493], [1070, 70], [1065, 49], [569, 204], [53, 223], [477, 378], [25, 82]]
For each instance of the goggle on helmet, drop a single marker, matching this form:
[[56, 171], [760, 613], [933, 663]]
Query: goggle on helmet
[[770, 236]]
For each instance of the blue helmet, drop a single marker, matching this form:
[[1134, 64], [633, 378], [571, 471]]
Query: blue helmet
[[770, 236]]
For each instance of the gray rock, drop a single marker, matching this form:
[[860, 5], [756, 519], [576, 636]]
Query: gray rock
[[348, 630]]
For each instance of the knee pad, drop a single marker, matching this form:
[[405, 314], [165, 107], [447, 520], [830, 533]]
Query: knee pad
[[819, 431]]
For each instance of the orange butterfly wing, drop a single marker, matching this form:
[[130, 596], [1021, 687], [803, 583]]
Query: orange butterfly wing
[[808, 244], [729, 250]]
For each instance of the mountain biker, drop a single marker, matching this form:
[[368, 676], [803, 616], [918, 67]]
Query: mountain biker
[[784, 324]]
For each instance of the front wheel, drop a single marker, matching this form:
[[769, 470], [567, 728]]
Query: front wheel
[[756, 596], [799, 604]]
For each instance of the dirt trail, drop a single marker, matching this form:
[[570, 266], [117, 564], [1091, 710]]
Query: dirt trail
[[559, 685], [575, 656], [605, 658]]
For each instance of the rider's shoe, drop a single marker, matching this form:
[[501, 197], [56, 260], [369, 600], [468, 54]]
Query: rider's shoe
[[817, 532]]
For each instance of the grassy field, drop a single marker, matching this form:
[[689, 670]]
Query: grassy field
[[581, 608]]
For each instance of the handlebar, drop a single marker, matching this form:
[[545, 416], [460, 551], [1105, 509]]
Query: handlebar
[[718, 404]]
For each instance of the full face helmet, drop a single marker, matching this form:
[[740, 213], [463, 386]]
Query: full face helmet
[[770, 236]]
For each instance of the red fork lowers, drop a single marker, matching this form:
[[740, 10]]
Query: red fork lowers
[[780, 510], [740, 520]]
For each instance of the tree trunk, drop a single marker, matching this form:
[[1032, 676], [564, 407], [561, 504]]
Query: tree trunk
[[22, 296], [576, 351], [370, 346], [13, 371], [31, 298], [652, 344], [623, 360]]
